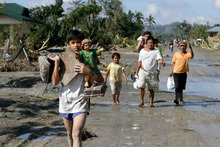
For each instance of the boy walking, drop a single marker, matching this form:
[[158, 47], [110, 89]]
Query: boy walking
[[179, 69], [116, 71], [73, 107]]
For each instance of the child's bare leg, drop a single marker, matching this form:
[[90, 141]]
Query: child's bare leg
[[86, 80], [151, 98], [141, 93], [92, 81], [117, 98], [114, 100], [98, 78]]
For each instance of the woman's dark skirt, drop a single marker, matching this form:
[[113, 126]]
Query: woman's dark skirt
[[180, 80]]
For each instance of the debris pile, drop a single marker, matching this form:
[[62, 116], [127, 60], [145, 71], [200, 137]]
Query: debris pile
[[17, 66]]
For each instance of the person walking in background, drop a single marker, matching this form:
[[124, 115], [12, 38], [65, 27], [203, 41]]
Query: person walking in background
[[158, 64], [116, 70], [142, 40], [148, 58], [142, 44], [179, 70], [171, 46]]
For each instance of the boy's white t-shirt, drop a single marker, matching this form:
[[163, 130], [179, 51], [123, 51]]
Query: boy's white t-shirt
[[71, 98], [149, 59]]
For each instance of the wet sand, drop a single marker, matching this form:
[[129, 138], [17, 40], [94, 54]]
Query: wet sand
[[29, 119]]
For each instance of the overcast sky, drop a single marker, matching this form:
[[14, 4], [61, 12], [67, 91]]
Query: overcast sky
[[164, 11]]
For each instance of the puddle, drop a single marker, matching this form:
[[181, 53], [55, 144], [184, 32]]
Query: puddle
[[36, 128], [23, 136], [49, 135], [135, 128], [129, 144], [58, 125], [44, 138], [134, 92], [135, 125], [129, 103], [201, 86], [215, 75], [129, 110], [203, 106], [19, 140]]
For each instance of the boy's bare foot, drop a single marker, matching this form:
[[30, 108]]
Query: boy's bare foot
[[152, 105], [141, 104], [114, 103], [86, 84], [117, 102]]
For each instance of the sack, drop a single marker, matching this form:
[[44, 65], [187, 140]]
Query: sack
[[135, 84], [46, 68], [170, 83]]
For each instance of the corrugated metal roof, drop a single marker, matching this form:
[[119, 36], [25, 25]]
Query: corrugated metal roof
[[17, 12], [213, 30]]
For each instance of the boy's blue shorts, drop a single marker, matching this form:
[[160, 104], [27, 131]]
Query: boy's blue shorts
[[71, 116]]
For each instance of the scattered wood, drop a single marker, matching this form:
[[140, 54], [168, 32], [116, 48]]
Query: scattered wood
[[43, 46]]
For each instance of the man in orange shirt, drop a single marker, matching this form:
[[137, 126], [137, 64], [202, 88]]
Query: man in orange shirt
[[179, 69]]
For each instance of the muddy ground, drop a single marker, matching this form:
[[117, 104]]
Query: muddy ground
[[29, 115]]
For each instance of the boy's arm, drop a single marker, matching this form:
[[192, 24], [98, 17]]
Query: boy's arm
[[171, 73], [55, 75], [106, 76], [190, 47], [124, 75], [138, 67]]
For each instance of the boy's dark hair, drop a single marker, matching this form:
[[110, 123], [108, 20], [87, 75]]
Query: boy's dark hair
[[150, 38], [147, 33], [155, 40], [116, 54], [73, 35]]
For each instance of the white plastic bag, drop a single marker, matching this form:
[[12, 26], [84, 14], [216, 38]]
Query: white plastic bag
[[170, 83], [135, 84]]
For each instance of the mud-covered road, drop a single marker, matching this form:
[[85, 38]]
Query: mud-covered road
[[28, 118]]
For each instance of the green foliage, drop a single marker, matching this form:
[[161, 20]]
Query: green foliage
[[87, 18], [150, 21], [2, 6], [199, 31], [49, 16]]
